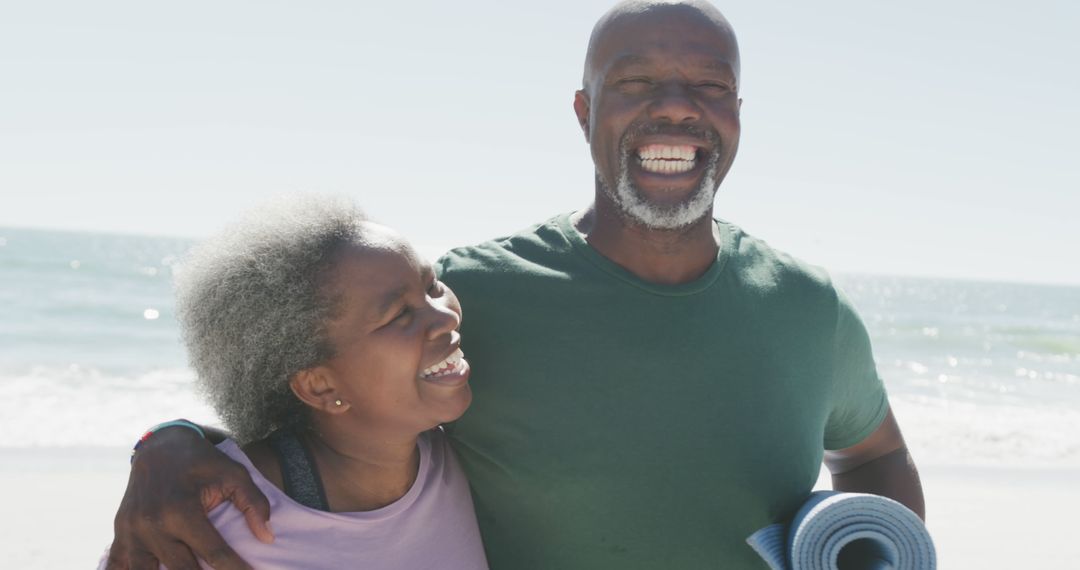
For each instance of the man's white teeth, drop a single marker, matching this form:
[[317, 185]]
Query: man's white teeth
[[667, 159], [448, 365], [679, 152], [667, 166]]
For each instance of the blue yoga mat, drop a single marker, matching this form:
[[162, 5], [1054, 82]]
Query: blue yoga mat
[[836, 531]]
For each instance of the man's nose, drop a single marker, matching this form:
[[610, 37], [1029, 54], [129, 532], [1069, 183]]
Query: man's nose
[[674, 103]]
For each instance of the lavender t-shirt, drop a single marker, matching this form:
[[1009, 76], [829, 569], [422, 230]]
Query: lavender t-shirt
[[432, 526]]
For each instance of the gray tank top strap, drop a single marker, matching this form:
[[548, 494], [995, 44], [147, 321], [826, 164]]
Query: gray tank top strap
[[298, 470]]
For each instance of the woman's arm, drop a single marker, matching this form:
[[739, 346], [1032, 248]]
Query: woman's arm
[[176, 478]]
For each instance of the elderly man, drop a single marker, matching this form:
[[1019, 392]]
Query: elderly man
[[651, 385]]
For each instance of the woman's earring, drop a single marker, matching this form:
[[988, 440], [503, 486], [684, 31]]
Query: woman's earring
[[337, 402]]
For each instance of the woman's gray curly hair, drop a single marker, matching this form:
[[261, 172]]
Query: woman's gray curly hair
[[253, 310]]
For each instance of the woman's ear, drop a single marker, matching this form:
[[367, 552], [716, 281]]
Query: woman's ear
[[315, 387]]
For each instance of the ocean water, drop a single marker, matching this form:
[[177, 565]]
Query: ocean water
[[978, 373]]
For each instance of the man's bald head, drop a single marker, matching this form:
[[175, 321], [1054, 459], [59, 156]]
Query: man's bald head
[[651, 12]]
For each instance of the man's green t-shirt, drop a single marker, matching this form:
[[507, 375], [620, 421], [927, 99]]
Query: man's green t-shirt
[[618, 423]]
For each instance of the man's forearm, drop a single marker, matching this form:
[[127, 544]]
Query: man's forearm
[[892, 475]]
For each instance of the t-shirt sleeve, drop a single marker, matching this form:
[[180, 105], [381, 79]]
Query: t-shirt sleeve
[[859, 402], [446, 264], [440, 265]]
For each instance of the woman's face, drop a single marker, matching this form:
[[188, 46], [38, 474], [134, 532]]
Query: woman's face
[[397, 363]]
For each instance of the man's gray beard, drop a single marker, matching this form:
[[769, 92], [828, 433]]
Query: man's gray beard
[[635, 206]]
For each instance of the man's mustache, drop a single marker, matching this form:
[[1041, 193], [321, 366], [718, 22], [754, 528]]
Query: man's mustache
[[708, 137]]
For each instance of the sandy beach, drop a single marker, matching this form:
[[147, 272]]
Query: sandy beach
[[980, 517], [66, 498], [999, 517]]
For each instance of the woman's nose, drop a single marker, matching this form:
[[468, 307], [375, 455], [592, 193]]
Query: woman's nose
[[445, 319]]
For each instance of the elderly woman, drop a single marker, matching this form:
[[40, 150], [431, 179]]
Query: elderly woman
[[330, 350]]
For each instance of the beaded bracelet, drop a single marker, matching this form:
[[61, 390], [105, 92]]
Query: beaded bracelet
[[151, 431]]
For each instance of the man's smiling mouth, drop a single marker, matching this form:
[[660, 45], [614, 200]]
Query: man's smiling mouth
[[667, 159]]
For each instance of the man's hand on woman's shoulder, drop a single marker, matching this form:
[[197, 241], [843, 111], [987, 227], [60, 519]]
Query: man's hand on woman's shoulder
[[177, 477]]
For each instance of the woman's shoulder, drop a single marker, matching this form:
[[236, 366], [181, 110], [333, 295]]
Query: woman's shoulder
[[263, 458]]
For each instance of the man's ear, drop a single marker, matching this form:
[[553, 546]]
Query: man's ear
[[581, 109], [315, 387]]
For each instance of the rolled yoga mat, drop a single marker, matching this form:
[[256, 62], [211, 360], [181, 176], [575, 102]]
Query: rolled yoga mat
[[847, 531]]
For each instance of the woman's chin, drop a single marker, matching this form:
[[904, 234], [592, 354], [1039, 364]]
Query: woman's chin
[[456, 407]]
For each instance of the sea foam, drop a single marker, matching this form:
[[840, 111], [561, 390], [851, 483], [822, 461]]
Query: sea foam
[[77, 406]]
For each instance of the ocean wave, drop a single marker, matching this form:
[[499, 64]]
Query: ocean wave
[[948, 432], [78, 406]]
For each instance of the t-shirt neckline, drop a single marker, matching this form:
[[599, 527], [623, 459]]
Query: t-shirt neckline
[[727, 245], [424, 446]]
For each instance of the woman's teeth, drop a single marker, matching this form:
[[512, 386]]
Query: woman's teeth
[[447, 366], [667, 159]]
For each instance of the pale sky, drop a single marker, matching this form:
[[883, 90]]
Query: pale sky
[[921, 138]]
